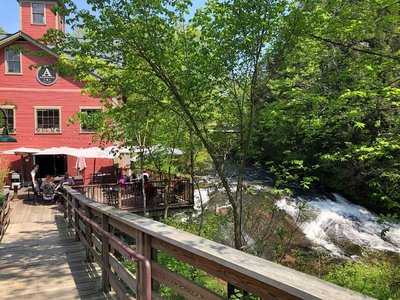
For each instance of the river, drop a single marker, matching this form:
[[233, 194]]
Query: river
[[334, 221]]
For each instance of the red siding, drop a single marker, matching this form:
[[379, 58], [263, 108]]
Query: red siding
[[25, 92], [32, 57], [34, 30]]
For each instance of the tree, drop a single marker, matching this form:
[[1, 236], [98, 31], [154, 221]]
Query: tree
[[332, 117], [204, 71]]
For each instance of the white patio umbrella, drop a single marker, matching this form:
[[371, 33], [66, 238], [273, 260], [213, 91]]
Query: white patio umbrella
[[95, 152], [166, 150], [92, 152], [58, 151], [117, 150], [80, 164], [21, 150], [80, 153]]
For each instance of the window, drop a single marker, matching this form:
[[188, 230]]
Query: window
[[89, 119], [13, 61], [48, 120], [38, 13], [10, 112]]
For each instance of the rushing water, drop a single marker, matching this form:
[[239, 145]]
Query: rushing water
[[201, 197], [331, 223]]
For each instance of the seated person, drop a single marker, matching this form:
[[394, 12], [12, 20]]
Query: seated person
[[48, 189], [149, 189], [123, 180], [179, 187], [67, 180]]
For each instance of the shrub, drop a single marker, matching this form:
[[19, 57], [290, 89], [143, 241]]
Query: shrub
[[376, 279], [3, 174]]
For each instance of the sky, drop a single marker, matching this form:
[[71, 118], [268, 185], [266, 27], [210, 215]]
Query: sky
[[9, 18]]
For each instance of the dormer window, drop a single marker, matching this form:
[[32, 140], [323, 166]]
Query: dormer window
[[38, 16], [13, 61]]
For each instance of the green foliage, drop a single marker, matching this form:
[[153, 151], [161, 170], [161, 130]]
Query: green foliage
[[331, 113], [163, 74], [316, 81], [210, 228], [380, 280], [199, 277], [3, 174]]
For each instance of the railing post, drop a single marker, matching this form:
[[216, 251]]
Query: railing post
[[69, 212], [15, 196], [76, 217], [232, 291], [143, 244], [65, 205], [88, 233], [105, 249]]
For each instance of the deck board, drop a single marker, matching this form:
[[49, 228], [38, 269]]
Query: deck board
[[40, 259]]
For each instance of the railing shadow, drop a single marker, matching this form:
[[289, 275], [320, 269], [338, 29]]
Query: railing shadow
[[87, 275]]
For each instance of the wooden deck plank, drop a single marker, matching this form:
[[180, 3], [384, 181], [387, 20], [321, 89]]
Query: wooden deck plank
[[39, 258]]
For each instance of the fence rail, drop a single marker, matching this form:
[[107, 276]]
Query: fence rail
[[159, 194], [108, 232], [5, 210]]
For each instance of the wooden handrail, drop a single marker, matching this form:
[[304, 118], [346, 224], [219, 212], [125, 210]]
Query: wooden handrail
[[255, 275], [122, 248]]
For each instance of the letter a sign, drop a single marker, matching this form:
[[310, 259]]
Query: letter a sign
[[46, 75]]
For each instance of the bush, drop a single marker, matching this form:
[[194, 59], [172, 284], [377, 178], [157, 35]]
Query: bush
[[376, 279], [3, 174]]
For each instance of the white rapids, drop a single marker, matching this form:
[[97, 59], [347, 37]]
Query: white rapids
[[201, 198], [330, 222]]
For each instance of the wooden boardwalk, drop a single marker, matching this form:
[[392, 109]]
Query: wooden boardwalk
[[40, 259]]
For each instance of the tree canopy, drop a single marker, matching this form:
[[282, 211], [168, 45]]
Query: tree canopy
[[307, 89]]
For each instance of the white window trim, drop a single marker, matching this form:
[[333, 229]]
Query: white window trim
[[6, 63], [82, 131], [14, 113], [44, 14], [36, 108]]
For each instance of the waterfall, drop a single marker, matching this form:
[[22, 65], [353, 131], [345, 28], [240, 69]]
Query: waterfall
[[332, 222]]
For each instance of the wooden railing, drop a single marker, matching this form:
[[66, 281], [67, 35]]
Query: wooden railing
[[5, 210], [132, 249], [159, 194]]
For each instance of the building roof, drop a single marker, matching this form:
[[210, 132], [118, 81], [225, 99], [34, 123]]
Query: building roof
[[58, 1], [18, 36], [4, 35]]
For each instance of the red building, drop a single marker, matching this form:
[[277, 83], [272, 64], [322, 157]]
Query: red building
[[38, 102]]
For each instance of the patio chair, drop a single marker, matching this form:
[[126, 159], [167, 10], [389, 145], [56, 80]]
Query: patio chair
[[48, 192], [111, 195]]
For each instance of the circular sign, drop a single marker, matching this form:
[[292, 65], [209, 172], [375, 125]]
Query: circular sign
[[46, 75]]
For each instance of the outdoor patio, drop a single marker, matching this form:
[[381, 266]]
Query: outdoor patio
[[158, 195]]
